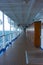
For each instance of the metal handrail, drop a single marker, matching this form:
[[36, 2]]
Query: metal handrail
[[5, 34]]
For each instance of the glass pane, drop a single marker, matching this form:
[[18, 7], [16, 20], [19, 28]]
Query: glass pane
[[1, 29], [1, 41], [7, 38], [7, 28], [18, 31], [12, 29], [1, 23], [6, 24]]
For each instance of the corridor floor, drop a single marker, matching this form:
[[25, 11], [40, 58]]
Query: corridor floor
[[22, 52]]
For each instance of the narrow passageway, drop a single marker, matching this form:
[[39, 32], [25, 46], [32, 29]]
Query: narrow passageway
[[21, 31], [22, 52], [15, 54]]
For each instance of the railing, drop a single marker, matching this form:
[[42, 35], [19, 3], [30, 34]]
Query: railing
[[7, 39]]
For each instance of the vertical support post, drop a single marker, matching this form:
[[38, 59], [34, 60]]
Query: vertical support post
[[3, 33], [10, 30], [37, 33]]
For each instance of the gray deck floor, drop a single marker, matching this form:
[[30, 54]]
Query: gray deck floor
[[22, 52]]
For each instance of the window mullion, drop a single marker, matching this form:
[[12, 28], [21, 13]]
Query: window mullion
[[3, 33], [10, 30]]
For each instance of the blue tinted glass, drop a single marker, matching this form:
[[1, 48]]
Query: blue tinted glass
[[1, 29], [7, 28], [1, 43], [1, 22], [6, 24], [7, 38]]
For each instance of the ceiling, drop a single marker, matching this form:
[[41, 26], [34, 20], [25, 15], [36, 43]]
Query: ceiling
[[23, 12]]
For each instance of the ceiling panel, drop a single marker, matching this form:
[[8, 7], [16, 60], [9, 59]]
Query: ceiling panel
[[21, 11]]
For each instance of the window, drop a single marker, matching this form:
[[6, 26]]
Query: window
[[12, 29], [1, 23], [6, 24], [6, 28], [1, 29]]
